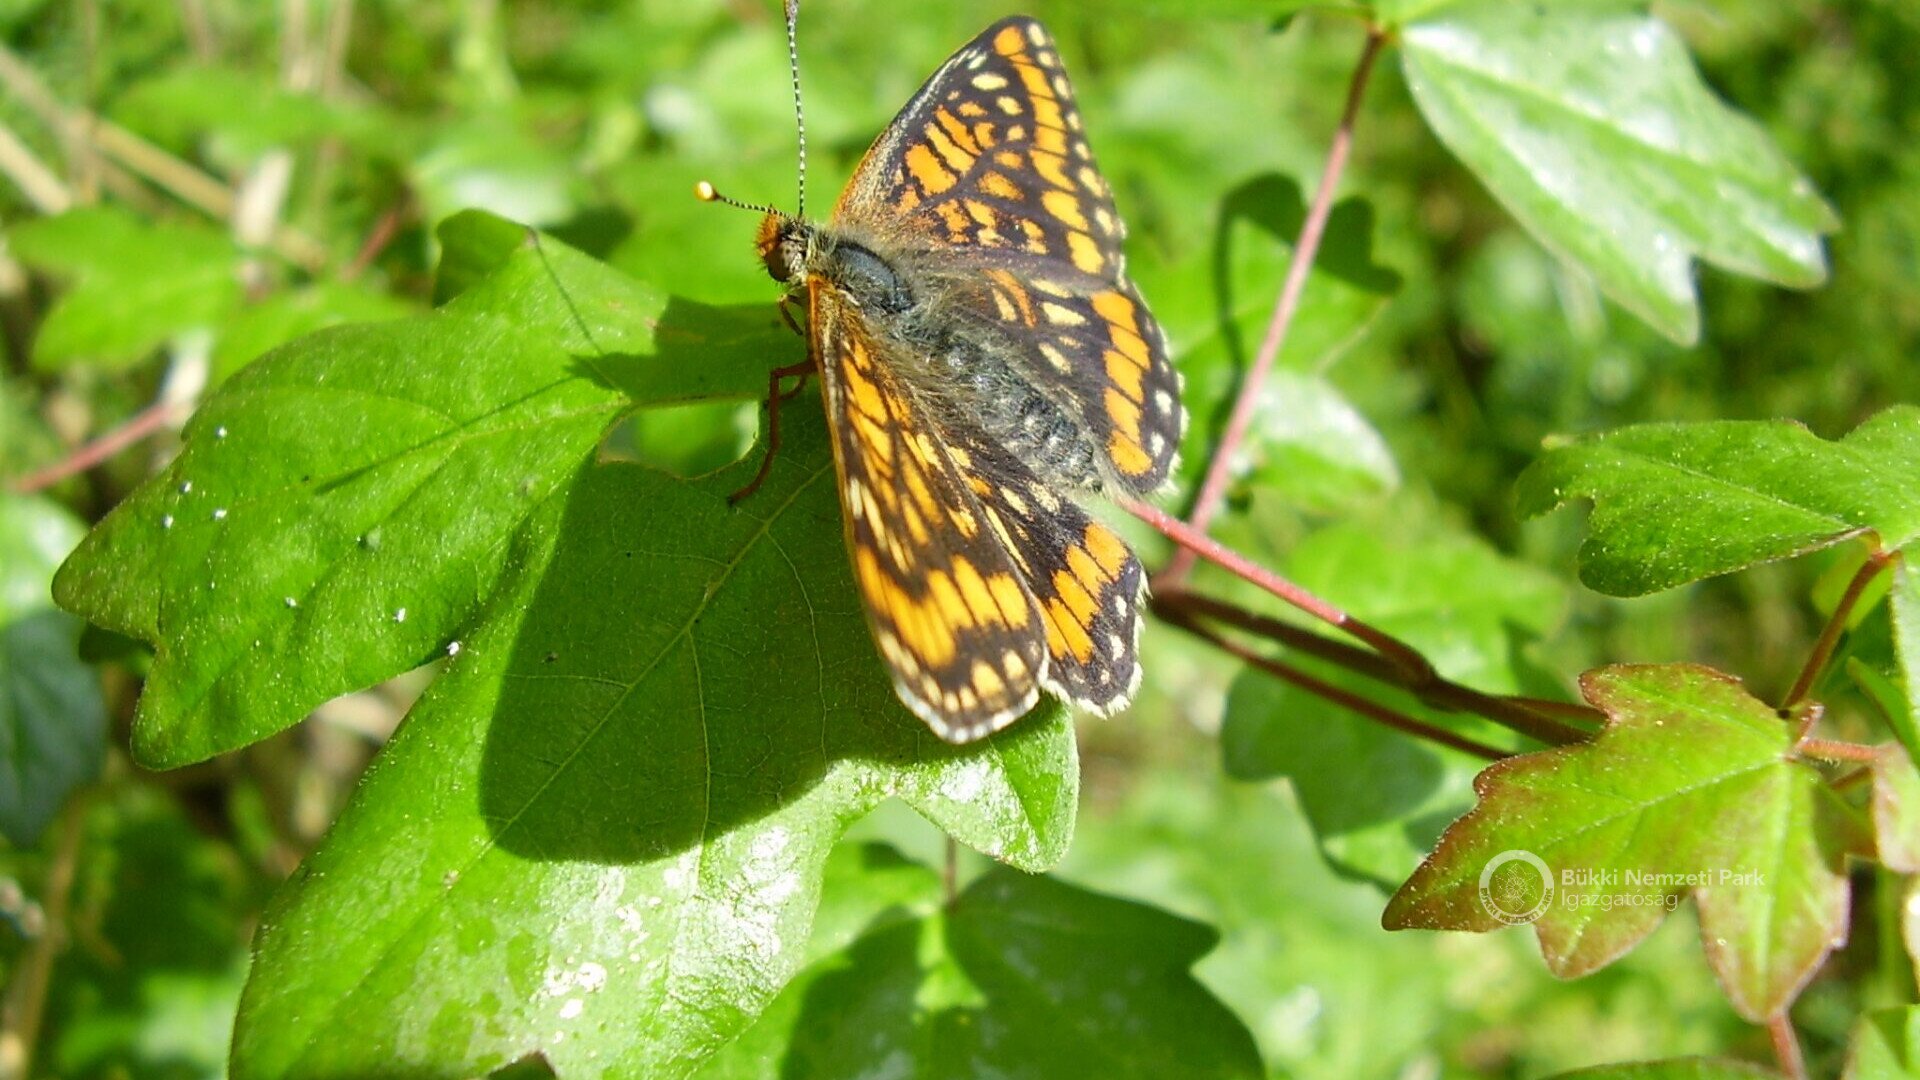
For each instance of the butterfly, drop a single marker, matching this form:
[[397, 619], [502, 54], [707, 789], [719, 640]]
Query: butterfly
[[984, 360]]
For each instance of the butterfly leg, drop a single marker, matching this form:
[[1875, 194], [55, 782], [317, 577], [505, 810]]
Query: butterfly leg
[[774, 397]]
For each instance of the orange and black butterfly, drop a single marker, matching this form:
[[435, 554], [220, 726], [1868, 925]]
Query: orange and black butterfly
[[985, 360]]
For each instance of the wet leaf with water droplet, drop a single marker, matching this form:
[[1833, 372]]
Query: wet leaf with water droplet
[[1021, 977], [600, 835]]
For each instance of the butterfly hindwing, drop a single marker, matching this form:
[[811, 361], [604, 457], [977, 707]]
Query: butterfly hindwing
[[1088, 585], [948, 606]]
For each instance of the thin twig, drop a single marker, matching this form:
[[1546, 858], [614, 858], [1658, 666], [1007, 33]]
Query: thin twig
[[1836, 750], [27, 993], [1786, 1047], [143, 424], [1346, 699], [382, 234], [1434, 691], [1399, 652], [1213, 488], [1836, 625], [186, 182], [36, 181]]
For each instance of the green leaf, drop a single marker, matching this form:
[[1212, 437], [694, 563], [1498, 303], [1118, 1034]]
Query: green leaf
[[161, 916], [1692, 788], [257, 328], [1895, 809], [1021, 977], [1315, 449], [1676, 1069], [1615, 155], [1675, 503], [1215, 306], [246, 113], [601, 833], [1886, 1045], [340, 507], [53, 721], [134, 286], [1904, 608], [1426, 586]]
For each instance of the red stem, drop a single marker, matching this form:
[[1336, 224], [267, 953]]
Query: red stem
[[145, 423], [1835, 750], [1400, 653], [1372, 710], [1516, 714], [1836, 625], [1786, 1047], [1213, 488]]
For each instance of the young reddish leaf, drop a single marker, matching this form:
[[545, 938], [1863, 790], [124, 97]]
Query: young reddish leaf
[[1896, 809], [1692, 788], [1674, 503]]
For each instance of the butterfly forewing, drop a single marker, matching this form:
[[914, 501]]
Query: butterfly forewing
[[949, 607], [989, 165]]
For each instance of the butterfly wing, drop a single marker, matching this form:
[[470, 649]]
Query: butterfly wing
[[949, 609], [1088, 585], [988, 165]]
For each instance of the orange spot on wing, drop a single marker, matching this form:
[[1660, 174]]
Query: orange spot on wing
[[1010, 42], [1127, 455], [1125, 374], [927, 170], [1106, 548], [1000, 187], [1063, 205], [1065, 637], [1085, 252]]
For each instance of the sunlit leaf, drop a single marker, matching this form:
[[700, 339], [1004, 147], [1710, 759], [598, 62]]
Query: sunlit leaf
[[1692, 789], [1615, 155], [1675, 503], [599, 836], [1020, 977], [340, 508]]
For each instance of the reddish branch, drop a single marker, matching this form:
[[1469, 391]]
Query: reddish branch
[[1402, 655], [1326, 691], [1213, 488], [1186, 609], [1836, 625], [1786, 1047], [145, 423]]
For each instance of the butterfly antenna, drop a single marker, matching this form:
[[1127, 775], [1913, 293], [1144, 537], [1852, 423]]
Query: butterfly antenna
[[799, 116], [706, 192]]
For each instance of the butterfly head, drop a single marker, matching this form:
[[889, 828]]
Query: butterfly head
[[784, 243], [784, 240]]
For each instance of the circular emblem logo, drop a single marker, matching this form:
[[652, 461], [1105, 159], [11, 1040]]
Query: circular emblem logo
[[1516, 887]]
